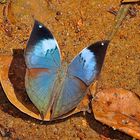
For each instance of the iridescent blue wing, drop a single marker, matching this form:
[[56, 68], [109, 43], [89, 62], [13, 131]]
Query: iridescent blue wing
[[87, 65], [72, 92], [39, 85], [82, 71], [42, 58], [42, 49]]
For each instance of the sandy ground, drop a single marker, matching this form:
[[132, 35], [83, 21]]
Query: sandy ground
[[75, 24]]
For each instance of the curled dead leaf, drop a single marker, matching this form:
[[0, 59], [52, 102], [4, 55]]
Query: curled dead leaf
[[119, 109], [12, 73]]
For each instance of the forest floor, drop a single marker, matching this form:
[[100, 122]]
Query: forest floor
[[75, 25]]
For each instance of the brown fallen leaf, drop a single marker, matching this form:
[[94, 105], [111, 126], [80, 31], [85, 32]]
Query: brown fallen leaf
[[119, 109], [12, 73]]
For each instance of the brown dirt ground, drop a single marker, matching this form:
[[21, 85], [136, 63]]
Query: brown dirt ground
[[75, 24]]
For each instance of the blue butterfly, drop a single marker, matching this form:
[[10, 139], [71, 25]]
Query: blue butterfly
[[52, 85]]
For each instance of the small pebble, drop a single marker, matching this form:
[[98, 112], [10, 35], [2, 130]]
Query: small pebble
[[58, 13]]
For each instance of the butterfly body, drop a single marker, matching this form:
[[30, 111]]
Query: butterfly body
[[53, 85]]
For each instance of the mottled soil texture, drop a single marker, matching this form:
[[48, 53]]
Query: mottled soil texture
[[75, 24]]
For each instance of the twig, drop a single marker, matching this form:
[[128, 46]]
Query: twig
[[118, 20]]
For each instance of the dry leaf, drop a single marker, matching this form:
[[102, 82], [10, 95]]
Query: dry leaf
[[119, 109], [12, 73]]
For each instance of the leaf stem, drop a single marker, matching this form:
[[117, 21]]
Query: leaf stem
[[118, 20]]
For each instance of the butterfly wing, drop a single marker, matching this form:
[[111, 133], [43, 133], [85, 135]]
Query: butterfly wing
[[42, 49], [81, 73], [42, 58], [87, 65], [71, 94]]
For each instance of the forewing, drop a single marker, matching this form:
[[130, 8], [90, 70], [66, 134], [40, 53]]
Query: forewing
[[42, 58], [42, 49], [87, 65], [81, 73]]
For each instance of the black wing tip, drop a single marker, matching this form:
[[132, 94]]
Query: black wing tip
[[98, 46], [41, 30], [103, 43], [106, 42], [38, 23], [99, 50]]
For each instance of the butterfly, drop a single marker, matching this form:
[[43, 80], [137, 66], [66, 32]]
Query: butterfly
[[53, 85]]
